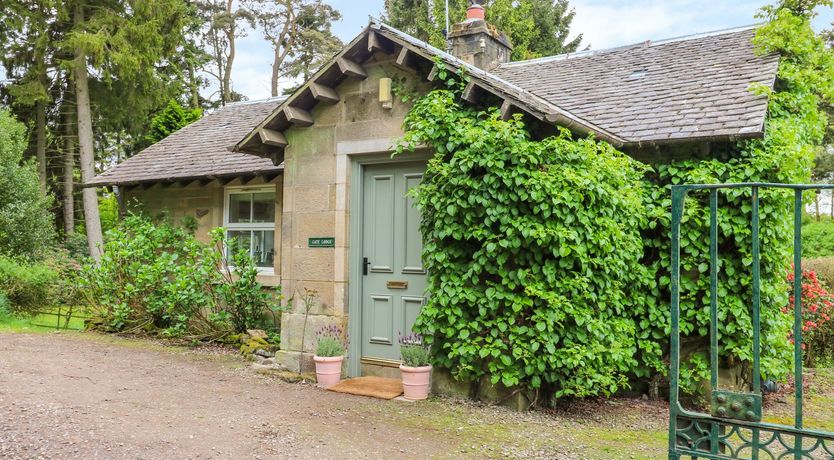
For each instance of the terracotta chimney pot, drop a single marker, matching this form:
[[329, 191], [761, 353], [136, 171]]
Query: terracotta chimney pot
[[475, 12]]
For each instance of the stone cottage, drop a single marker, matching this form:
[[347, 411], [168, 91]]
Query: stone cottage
[[191, 174], [343, 225]]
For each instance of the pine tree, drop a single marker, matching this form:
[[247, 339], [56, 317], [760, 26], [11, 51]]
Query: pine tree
[[171, 119], [299, 32], [124, 41], [536, 28]]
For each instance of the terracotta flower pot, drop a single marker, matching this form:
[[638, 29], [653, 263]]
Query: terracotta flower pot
[[416, 381], [328, 370]]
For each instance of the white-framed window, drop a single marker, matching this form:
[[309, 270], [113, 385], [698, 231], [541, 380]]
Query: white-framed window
[[249, 218]]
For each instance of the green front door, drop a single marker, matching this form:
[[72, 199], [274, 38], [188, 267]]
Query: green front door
[[393, 277]]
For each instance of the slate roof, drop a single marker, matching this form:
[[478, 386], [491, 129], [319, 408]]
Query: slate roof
[[199, 150], [678, 89]]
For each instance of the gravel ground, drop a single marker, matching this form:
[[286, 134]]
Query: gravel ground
[[86, 396]]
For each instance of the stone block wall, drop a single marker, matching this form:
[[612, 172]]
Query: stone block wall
[[316, 203], [204, 203]]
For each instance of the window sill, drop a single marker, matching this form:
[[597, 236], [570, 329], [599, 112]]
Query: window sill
[[269, 279]]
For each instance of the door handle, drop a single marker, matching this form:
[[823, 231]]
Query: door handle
[[365, 264]]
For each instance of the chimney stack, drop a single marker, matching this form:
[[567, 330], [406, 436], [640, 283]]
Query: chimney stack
[[477, 42]]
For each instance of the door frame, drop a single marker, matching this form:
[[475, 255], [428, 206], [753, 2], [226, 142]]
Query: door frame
[[355, 251]]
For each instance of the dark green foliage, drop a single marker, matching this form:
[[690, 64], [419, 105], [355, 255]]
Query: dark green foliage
[[532, 249], [243, 301], [26, 228], [151, 276], [155, 276], [27, 287], [424, 20], [795, 127], [549, 261], [171, 119], [535, 27]]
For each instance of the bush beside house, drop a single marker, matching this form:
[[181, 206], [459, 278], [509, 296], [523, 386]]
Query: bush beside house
[[156, 277]]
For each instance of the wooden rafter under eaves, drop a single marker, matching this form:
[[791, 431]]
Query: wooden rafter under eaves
[[268, 140]]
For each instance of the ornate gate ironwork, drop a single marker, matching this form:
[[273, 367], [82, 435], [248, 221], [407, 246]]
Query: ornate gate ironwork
[[733, 429]]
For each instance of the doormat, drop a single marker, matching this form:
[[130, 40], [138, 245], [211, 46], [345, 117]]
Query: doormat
[[375, 387]]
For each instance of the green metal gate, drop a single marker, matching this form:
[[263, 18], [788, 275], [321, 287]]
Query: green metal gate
[[733, 429]]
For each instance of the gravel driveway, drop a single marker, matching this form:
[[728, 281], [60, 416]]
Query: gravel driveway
[[71, 397], [90, 396]]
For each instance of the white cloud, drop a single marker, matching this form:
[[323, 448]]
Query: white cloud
[[603, 23], [609, 23]]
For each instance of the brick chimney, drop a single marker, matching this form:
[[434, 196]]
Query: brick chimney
[[477, 42]]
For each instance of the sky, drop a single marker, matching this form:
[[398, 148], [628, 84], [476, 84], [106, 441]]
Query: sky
[[603, 24]]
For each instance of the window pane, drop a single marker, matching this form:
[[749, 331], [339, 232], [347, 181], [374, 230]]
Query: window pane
[[239, 240], [264, 248], [239, 207], [263, 207]]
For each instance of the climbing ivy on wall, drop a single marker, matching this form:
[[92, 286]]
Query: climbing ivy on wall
[[548, 260], [531, 248], [795, 126]]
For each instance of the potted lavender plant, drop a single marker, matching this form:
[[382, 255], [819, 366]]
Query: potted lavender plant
[[331, 343], [416, 367]]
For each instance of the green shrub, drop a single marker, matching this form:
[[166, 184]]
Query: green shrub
[[414, 351], [243, 301], [26, 222], [28, 287], [5, 307], [548, 261], [818, 239], [532, 250], [151, 276], [795, 126], [155, 276]]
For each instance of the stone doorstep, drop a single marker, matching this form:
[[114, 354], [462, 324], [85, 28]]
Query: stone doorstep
[[442, 385]]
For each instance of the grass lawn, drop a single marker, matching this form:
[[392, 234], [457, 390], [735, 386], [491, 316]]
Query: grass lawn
[[43, 322]]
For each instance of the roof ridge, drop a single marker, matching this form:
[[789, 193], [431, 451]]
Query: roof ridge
[[680, 38], [486, 75], [255, 101]]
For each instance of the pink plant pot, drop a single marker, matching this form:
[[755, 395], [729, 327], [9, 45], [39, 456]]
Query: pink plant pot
[[328, 370], [416, 382]]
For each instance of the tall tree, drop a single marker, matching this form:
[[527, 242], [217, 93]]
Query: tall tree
[[123, 41], [222, 27], [68, 153], [27, 38], [299, 32], [535, 27], [424, 19], [171, 119]]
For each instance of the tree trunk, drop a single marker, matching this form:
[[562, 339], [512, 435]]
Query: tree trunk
[[276, 70], [192, 86], [69, 174], [282, 45], [817, 206], [40, 142], [86, 149], [227, 73]]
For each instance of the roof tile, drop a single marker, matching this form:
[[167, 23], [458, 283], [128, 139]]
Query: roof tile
[[197, 150], [707, 75]]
